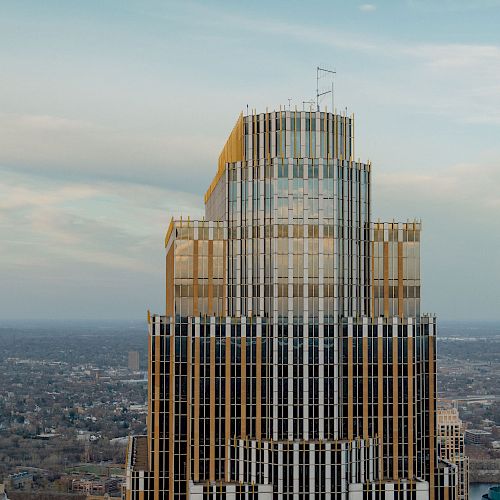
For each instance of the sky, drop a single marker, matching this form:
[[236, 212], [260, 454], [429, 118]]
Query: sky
[[113, 113]]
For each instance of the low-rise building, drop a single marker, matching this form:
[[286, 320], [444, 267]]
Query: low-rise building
[[477, 436], [20, 481], [93, 485]]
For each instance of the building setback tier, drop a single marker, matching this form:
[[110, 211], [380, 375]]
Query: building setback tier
[[292, 359]]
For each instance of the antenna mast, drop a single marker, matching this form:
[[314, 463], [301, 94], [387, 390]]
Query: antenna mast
[[331, 91], [304, 105]]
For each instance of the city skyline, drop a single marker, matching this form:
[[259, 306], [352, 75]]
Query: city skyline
[[98, 103]]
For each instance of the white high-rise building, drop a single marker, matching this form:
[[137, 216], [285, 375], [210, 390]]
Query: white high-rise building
[[450, 443]]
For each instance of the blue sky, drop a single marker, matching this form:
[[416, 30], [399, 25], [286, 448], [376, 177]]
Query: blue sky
[[112, 114]]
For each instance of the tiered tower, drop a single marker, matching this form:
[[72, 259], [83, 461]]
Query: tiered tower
[[292, 359]]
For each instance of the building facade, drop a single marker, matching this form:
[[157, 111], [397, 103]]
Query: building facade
[[133, 361], [451, 447], [292, 359]]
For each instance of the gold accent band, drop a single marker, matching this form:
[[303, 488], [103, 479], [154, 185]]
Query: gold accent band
[[171, 408], [410, 407], [386, 279], [228, 405], [212, 410], [395, 408], [196, 409], [243, 387], [232, 151], [365, 388]]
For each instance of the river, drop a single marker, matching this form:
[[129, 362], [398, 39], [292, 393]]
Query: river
[[477, 490]]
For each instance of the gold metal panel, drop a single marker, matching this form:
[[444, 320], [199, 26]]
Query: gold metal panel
[[189, 410], [335, 133], [365, 387], [410, 408], [282, 153], [228, 405], [325, 133], [344, 153], [380, 397], [312, 151], [386, 279], [196, 409], [169, 231], [212, 410], [195, 278], [372, 278], [232, 151], [156, 442], [395, 407], [432, 396], [224, 271], [353, 156], [400, 280], [149, 422], [243, 387], [171, 415], [210, 300], [169, 282]]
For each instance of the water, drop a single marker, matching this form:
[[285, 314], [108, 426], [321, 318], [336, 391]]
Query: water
[[477, 490]]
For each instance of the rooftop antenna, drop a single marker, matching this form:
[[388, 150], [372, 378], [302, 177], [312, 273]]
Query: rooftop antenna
[[306, 102], [319, 94]]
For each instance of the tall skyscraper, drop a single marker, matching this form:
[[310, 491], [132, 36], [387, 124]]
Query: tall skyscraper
[[451, 445], [292, 359]]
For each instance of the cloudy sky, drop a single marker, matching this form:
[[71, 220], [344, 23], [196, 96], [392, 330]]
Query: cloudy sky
[[112, 114]]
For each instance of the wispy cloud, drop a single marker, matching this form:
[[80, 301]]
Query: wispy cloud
[[367, 7], [452, 5], [79, 249], [68, 147], [457, 56], [448, 75], [459, 206], [461, 183], [86, 145], [102, 223]]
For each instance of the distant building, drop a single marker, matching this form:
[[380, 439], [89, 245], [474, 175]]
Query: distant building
[[133, 361], [45, 436], [20, 481], [450, 443], [95, 486], [477, 436]]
